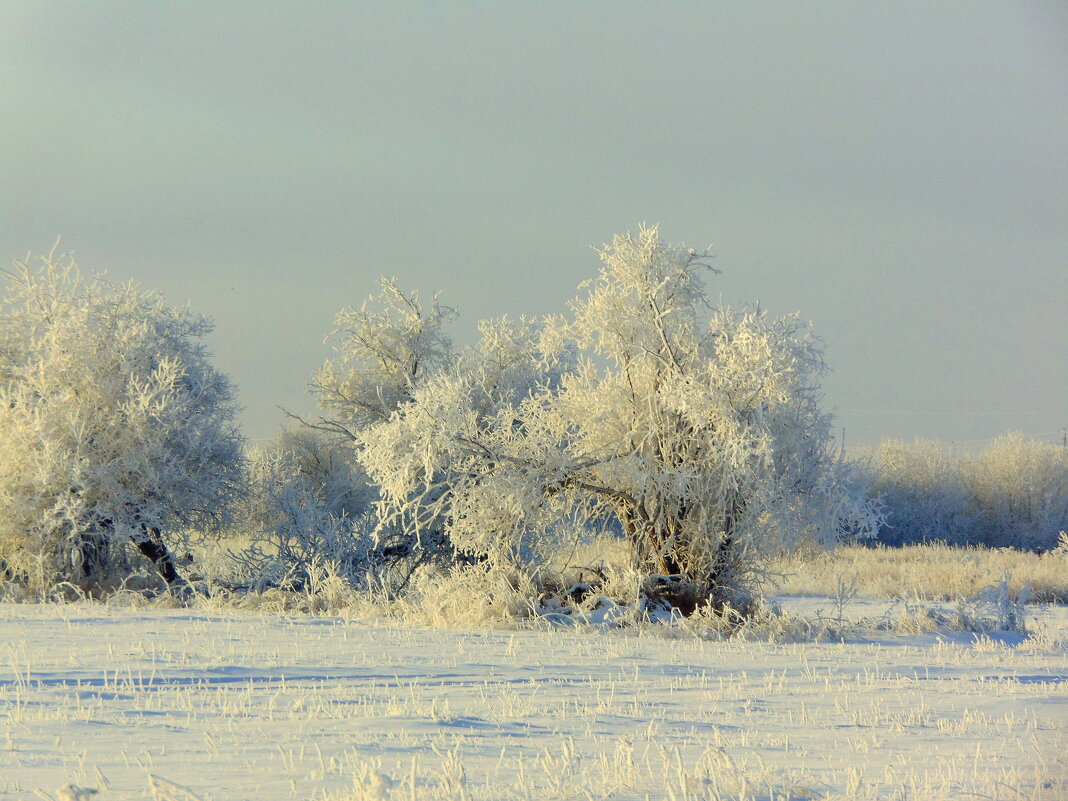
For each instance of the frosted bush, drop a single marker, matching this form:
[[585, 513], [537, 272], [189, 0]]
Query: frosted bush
[[117, 430], [694, 433], [1014, 493], [305, 504], [994, 608]]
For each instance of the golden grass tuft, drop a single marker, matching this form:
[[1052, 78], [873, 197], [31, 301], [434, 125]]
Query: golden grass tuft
[[932, 572]]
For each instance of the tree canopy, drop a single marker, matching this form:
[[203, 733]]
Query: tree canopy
[[117, 429], [695, 431]]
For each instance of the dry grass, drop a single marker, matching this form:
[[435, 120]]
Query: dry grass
[[933, 572]]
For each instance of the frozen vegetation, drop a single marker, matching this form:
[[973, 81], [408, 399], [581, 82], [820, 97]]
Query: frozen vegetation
[[609, 553], [1012, 493], [691, 437], [929, 572], [117, 431]]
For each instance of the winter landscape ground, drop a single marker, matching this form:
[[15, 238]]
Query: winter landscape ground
[[227, 705]]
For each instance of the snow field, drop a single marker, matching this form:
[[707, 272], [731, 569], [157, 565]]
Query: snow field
[[229, 706]]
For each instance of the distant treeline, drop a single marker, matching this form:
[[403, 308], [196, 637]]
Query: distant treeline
[[1014, 493]]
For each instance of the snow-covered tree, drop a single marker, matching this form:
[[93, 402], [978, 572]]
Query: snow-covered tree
[[385, 349], [1013, 493], [464, 454], [116, 427], [923, 489], [305, 503], [697, 432]]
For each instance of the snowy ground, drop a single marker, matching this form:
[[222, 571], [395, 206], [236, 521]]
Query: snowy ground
[[235, 706]]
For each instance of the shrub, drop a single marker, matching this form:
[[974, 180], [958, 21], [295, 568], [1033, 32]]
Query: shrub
[[1014, 493], [305, 504], [117, 430], [695, 433]]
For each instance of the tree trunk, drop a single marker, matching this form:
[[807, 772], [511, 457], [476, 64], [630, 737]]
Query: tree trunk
[[152, 546], [93, 552], [647, 541], [720, 581]]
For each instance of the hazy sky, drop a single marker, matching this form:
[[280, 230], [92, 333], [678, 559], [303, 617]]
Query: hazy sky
[[896, 172]]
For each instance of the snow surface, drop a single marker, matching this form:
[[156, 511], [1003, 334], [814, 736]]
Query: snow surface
[[233, 705]]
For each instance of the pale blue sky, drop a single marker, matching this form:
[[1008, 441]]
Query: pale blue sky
[[897, 172]]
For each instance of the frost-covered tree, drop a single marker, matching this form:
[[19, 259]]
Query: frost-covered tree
[[385, 350], [923, 489], [464, 454], [697, 432], [117, 429], [1021, 491], [305, 503]]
